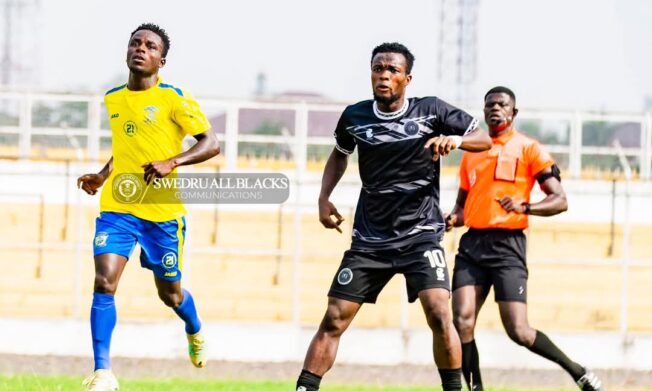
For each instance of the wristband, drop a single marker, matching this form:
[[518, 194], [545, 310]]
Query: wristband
[[526, 206], [457, 140]]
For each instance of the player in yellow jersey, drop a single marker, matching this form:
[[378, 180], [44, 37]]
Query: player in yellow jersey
[[149, 120]]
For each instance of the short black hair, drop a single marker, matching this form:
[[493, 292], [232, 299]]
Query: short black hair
[[158, 31], [501, 89], [395, 47]]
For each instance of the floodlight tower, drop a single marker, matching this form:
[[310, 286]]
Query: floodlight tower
[[457, 61], [20, 42]]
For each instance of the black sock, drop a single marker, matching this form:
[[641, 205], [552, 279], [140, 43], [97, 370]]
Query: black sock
[[309, 381], [544, 347], [471, 366], [451, 379]]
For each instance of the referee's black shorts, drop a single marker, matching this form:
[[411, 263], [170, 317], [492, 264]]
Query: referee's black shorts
[[363, 273], [493, 257]]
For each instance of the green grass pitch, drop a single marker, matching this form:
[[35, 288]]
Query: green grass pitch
[[59, 383]]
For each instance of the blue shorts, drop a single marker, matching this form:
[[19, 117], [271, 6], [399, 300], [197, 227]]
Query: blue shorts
[[161, 243]]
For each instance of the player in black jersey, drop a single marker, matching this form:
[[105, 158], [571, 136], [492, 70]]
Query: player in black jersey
[[398, 224]]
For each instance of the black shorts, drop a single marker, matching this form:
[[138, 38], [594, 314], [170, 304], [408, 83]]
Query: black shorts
[[493, 257], [364, 273]]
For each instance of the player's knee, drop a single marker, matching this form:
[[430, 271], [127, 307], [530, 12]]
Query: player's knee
[[520, 334], [464, 322], [103, 285], [333, 323], [171, 299], [438, 318]]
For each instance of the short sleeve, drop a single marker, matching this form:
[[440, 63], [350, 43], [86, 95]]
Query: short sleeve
[[538, 159], [344, 141], [188, 115], [453, 121], [464, 173]]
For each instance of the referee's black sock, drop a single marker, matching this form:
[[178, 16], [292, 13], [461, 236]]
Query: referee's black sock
[[451, 379], [309, 381], [471, 366], [544, 347]]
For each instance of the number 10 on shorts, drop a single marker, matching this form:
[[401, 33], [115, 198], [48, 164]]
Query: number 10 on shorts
[[436, 258], [437, 262]]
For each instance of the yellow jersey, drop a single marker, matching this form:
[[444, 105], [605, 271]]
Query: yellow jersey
[[146, 126]]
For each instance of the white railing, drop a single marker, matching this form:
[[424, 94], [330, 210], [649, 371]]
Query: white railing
[[300, 137]]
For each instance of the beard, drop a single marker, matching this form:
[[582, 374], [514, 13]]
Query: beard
[[386, 100]]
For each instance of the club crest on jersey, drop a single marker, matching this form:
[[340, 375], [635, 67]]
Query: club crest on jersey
[[169, 260], [130, 128], [345, 276], [100, 239], [150, 114], [411, 128]]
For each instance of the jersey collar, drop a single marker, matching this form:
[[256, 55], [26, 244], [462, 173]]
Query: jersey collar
[[504, 138], [159, 80], [393, 115]]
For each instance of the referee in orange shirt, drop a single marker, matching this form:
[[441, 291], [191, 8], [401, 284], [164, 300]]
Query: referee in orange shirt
[[494, 202]]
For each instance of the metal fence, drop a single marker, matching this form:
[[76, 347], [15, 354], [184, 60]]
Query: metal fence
[[34, 125], [47, 140]]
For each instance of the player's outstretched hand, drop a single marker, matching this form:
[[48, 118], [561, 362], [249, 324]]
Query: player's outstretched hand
[[441, 145], [326, 210], [90, 183], [510, 206], [157, 169], [453, 220]]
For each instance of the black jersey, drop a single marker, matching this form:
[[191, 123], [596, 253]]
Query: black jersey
[[399, 199]]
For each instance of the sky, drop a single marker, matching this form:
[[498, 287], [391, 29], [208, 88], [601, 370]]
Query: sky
[[555, 54]]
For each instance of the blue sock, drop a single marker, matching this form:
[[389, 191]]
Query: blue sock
[[188, 313], [103, 320]]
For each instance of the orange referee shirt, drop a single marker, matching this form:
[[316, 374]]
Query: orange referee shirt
[[509, 168]]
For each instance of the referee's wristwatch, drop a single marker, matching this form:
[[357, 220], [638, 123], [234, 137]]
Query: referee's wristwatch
[[526, 208]]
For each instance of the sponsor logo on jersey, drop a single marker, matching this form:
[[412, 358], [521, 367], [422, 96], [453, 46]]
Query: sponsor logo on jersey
[[170, 274], [115, 115]]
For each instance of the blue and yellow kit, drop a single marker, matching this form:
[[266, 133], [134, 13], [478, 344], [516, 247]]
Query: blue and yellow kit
[[146, 126]]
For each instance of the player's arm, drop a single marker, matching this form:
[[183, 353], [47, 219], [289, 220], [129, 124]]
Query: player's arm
[[456, 217], [553, 203], [91, 182], [206, 147], [476, 140], [335, 168]]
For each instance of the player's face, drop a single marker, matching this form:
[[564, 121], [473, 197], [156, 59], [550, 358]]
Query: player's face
[[389, 77], [145, 53], [499, 111]]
